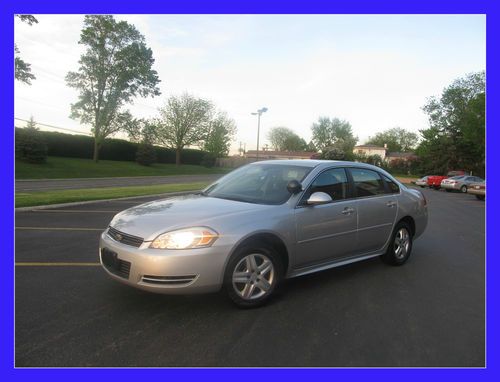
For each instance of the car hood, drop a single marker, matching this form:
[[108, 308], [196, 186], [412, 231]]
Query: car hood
[[153, 218]]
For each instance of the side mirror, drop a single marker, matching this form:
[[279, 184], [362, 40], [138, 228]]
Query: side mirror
[[294, 187], [319, 198]]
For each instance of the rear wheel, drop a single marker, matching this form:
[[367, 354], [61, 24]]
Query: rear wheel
[[399, 249], [480, 197], [252, 275]]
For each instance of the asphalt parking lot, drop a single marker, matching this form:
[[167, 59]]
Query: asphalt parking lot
[[429, 312]]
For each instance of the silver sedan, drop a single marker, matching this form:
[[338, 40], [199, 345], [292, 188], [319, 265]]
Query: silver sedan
[[460, 183], [262, 223]]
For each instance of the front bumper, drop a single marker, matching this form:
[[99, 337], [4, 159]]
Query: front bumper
[[166, 271]]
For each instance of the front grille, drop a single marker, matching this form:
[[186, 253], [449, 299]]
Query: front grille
[[169, 280], [124, 238], [115, 265]]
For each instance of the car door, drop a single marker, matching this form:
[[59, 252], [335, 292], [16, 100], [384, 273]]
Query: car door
[[377, 206], [327, 231]]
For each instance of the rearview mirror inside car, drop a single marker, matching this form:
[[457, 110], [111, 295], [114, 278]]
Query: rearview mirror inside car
[[294, 186]]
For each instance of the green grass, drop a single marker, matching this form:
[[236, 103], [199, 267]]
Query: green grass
[[58, 168], [28, 199]]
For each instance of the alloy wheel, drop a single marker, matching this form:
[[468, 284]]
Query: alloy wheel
[[253, 276], [401, 243]]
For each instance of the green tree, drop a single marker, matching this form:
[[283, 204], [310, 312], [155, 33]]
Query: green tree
[[397, 139], [184, 121], [115, 67], [456, 136], [220, 133], [30, 145], [22, 68], [285, 139], [333, 133]]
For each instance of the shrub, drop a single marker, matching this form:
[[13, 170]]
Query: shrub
[[30, 145], [209, 160], [81, 146], [146, 154]]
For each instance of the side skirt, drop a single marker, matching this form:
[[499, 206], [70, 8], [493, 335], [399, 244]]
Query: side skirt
[[332, 264]]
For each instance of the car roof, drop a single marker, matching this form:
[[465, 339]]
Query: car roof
[[317, 162]]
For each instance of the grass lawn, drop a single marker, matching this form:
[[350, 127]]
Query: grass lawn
[[57, 168], [28, 199]]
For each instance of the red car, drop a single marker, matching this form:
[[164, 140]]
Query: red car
[[434, 181]]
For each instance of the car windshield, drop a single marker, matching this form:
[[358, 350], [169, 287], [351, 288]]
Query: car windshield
[[262, 183], [457, 177]]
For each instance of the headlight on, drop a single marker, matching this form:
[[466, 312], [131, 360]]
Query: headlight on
[[196, 237]]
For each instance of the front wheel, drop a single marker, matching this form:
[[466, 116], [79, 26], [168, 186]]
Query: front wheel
[[399, 249], [463, 189], [252, 275]]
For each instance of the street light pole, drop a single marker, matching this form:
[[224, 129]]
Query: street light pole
[[258, 114]]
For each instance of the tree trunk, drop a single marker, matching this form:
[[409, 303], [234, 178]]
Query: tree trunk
[[178, 156], [96, 150]]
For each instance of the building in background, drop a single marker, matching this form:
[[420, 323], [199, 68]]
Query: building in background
[[369, 150]]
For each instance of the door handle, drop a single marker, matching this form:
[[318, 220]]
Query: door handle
[[391, 204], [347, 211]]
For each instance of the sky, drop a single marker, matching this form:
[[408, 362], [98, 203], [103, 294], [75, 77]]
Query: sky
[[375, 71]]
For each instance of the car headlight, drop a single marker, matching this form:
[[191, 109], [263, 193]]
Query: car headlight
[[196, 237]]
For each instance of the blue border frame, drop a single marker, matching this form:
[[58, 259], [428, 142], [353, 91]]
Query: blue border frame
[[10, 7]]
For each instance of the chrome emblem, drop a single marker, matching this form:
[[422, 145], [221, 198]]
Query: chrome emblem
[[118, 237]]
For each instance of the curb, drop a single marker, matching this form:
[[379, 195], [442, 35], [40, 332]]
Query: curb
[[71, 204]]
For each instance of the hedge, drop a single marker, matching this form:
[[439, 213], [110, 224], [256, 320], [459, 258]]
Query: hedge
[[82, 146]]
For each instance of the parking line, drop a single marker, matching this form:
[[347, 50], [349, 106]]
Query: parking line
[[60, 229], [27, 264]]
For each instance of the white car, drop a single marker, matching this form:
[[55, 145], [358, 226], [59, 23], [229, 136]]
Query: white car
[[422, 182]]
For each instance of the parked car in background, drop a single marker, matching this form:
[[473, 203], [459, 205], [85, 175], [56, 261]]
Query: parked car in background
[[422, 182], [478, 189], [434, 181], [262, 223], [459, 183]]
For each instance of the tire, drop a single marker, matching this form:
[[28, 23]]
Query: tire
[[480, 197], [393, 256], [463, 189], [251, 292]]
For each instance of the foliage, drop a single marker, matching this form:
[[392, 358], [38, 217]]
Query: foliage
[[184, 121], [397, 139], [146, 154], [22, 68], [115, 67], [209, 160], [285, 139], [220, 133], [81, 146], [333, 133], [455, 139], [30, 145]]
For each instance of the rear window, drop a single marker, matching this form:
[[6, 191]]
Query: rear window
[[367, 182]]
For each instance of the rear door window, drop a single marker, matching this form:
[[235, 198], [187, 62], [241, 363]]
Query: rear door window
[[367, 182]]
